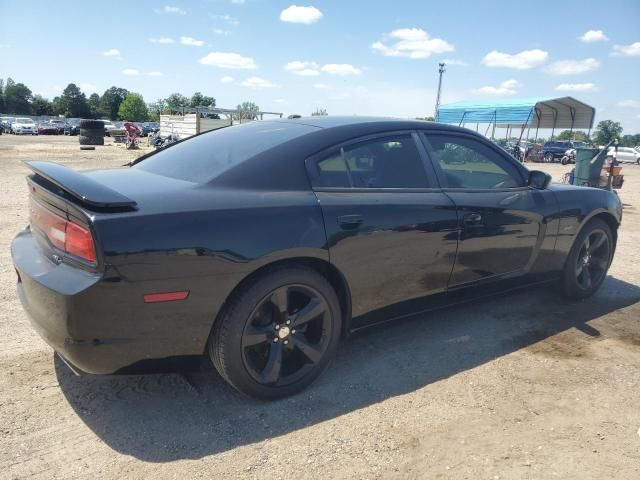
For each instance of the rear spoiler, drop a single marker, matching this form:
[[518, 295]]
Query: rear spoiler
[[83, 188]]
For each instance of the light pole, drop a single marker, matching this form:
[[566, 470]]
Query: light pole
[[441, 70]]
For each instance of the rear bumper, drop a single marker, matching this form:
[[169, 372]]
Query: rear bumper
[[97, 325]]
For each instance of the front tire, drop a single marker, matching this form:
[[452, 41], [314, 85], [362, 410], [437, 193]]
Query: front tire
[[588, 261], [548, 157], [278, 333]]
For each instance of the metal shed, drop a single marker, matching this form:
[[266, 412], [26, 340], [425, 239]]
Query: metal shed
[[563, 112]]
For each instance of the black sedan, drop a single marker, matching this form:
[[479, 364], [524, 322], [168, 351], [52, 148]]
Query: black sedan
[[262, 245]]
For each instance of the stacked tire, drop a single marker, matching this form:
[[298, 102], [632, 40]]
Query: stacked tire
[[91, 132]]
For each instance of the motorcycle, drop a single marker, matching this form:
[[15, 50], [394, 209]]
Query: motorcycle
[[569, 157]]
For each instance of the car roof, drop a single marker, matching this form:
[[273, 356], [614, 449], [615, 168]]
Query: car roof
[[327, 121], [281, 167]]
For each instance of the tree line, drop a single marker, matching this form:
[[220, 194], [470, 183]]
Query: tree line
[[115, 103]]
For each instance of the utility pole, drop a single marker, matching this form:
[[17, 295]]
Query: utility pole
[[441, 70]]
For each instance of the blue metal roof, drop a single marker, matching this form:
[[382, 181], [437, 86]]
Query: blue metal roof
[[565, 112]]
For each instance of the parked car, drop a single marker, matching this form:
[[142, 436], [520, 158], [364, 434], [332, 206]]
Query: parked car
[[22, 126], [262, 245], [625, 155], [5, 124], [72, 127], [145, 128], [60, 125], [556, 149], [108, 126], [47, 128]]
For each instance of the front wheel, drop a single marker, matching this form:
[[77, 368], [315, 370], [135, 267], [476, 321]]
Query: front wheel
[[278, 333], [588, 261], [548, 157]]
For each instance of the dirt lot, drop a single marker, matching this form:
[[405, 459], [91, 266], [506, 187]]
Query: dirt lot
[[525, 386]]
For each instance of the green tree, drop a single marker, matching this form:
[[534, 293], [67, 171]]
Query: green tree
[[320, 112], [17, 98], [573, 135], [111, 100], [176, 101], [247, 111], [428, 119], [199, 100], [41, 106], [606, 131], [73, 103], [133, 108], [1, 95], [630, 140], [94, 105], [156, 108]]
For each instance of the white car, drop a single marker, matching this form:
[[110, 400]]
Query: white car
[[108, 126], [625, 155], [24, 125]]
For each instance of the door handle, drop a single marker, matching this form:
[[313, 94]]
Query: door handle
[[472, 218], [349, 222]]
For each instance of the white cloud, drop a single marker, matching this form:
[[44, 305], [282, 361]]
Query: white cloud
[[154, 74], [321, 86], [228, 60], [162, 40], [258, 82], [279, 100], [632, 50], [130, 71], [452, 61], [171, 9], [226, 79], [112, 52], [508, 87], [520, 61], [220, 31], [628, 104], [572, 67], [591, 36], [226, 18], [412, 43], [340, 69], [296, 14], [305, 69], [577, 87], [191, 41]]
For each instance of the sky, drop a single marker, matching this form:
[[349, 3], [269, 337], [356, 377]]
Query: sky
[[348, 57]]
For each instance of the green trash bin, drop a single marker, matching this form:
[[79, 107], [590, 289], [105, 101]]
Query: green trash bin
[[589, 163]]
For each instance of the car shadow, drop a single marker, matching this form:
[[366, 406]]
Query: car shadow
[[166, 417]]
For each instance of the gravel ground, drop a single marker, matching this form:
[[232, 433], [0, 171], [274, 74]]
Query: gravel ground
[[525, 386]]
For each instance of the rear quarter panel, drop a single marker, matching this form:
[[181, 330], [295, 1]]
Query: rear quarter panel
[[206, 250]]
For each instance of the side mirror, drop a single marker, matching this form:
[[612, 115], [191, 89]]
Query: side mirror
[[539, 180]]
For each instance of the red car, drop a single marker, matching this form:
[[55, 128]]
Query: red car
[[48, 129]]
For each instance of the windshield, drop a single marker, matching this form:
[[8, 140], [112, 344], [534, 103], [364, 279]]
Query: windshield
[[202, 158], [24, 120]]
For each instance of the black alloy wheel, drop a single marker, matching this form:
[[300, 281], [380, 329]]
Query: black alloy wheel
[[589, 260], [277, 332], [287, 335], [593, 259]]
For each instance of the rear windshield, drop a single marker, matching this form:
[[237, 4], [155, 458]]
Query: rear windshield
[[206, 156]]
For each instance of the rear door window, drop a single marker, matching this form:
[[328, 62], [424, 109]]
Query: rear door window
[[385, 162]]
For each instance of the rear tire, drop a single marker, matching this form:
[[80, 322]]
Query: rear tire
[[92, 124], [261, 355], [588, 261], [90, 140]]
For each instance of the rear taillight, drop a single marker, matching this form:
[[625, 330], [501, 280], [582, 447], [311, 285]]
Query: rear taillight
[[62, 233]]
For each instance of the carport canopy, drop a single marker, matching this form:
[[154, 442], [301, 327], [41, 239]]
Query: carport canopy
[[563, 112]]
